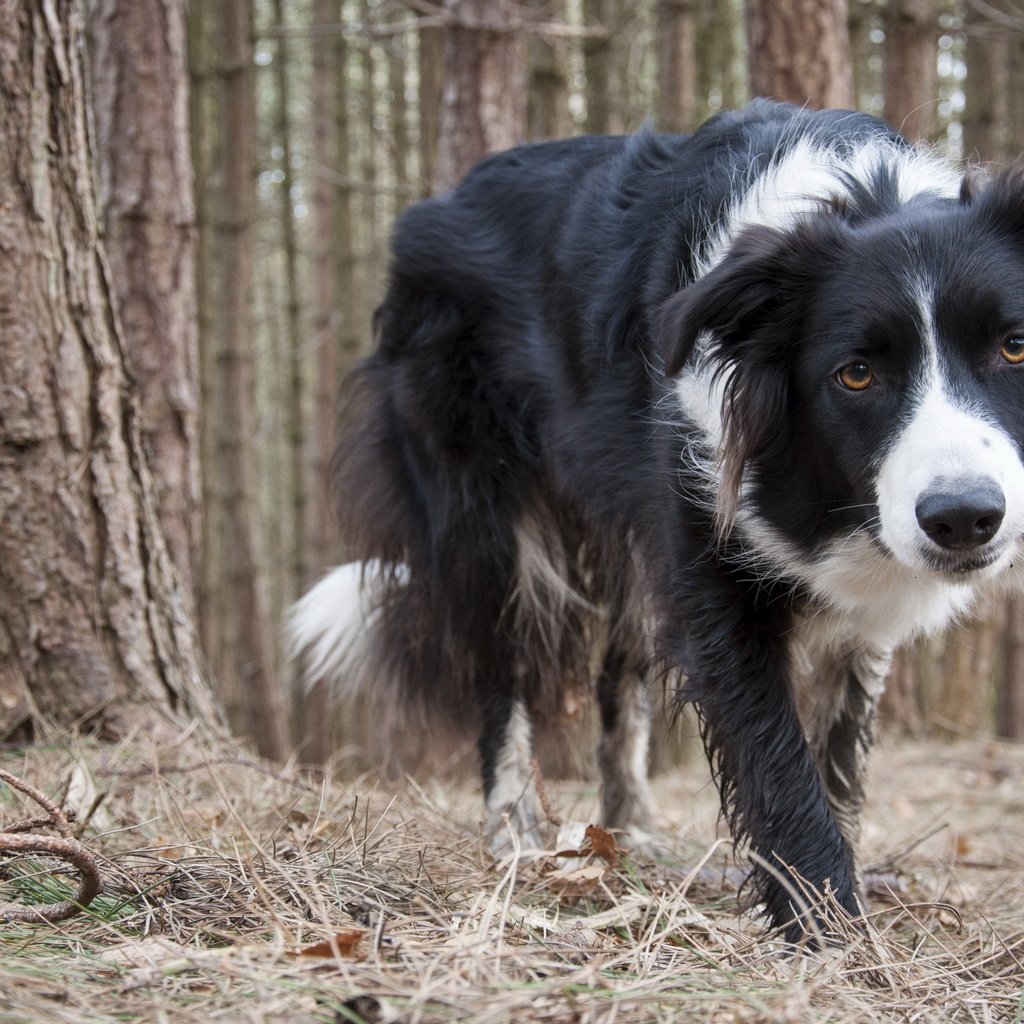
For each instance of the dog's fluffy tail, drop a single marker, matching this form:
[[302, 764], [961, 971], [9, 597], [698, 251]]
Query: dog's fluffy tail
[[333, 627]]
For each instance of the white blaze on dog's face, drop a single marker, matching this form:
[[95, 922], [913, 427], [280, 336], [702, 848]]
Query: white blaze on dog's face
[[951, 489]]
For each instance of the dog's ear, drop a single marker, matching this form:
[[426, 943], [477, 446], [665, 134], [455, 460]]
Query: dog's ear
[[751, 305], [728, 301], [1000, 202]]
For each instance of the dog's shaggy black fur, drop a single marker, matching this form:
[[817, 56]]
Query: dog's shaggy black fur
[[694, 400]]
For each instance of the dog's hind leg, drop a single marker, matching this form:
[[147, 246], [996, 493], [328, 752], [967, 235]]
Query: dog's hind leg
[[506, 747], [623, 753]]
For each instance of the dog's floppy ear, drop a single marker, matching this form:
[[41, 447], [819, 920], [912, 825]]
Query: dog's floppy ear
[[750, 305], [728, 301], [1000, 202]]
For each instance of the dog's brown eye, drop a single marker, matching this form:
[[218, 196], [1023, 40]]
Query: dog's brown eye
[[858, 376], [1013, 350]]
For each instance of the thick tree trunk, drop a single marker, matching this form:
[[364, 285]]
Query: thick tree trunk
[[93, 629], [799, 51], [484, 92], [677, 65], [138, 68], [911, 49]]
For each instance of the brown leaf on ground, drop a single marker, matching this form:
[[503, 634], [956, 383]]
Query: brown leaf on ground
[[602, 843], [344, 943]]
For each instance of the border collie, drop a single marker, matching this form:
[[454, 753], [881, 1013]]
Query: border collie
[[745, 405]]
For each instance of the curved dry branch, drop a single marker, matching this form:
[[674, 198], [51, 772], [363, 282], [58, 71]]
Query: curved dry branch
[[64, 847]]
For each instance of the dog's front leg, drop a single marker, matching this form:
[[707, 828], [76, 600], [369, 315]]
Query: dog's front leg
[[771, 789]]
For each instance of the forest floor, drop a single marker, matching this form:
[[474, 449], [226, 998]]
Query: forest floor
[[237, 892]]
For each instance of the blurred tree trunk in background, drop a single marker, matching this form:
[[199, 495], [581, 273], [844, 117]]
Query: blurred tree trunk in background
[[597, 65], [719, 84], [238, 629], [313, 718], [677, 65], [1015, 94], [139, 78], [1010, 684], [987, 89], [94, 634], [401, 146], [298, 476], [911, 40], [429, 57], [799, 50], [324, 325], [548, 93], [483, 108]]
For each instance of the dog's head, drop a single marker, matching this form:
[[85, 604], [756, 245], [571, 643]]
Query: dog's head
[[872, 372]]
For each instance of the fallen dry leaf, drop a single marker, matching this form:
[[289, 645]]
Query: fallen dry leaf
[[342, 943], [602, 842]]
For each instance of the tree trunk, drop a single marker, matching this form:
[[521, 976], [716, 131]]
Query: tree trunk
[[138, 65], [986, 89], [677, 65], [548, 95], [240, 646], [1010, 696], [1014, 146], [93, 629], [597, 65], [401, 151], [430, 55], [298, 479], [320, 532], [799, 51], [911, 49], [484, 91], [718, 84]]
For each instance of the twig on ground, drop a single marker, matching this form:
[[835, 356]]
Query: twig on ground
[[65, 847]]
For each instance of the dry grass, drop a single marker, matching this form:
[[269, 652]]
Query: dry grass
[[223, 876]]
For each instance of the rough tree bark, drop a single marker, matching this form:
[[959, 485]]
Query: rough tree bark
[[677, 65], [93, 630], [911, 45], [484, 91], [799, 50], [140, 107]]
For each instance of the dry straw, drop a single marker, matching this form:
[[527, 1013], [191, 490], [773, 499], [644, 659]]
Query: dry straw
[[236, 892]]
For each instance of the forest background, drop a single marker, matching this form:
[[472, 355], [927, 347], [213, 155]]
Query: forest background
[[195, 200], [248, 158]]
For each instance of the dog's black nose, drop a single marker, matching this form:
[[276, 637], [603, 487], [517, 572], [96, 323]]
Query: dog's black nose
[[964, 518]]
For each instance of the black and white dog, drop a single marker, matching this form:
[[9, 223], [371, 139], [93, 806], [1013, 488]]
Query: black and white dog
[[746, 405]]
